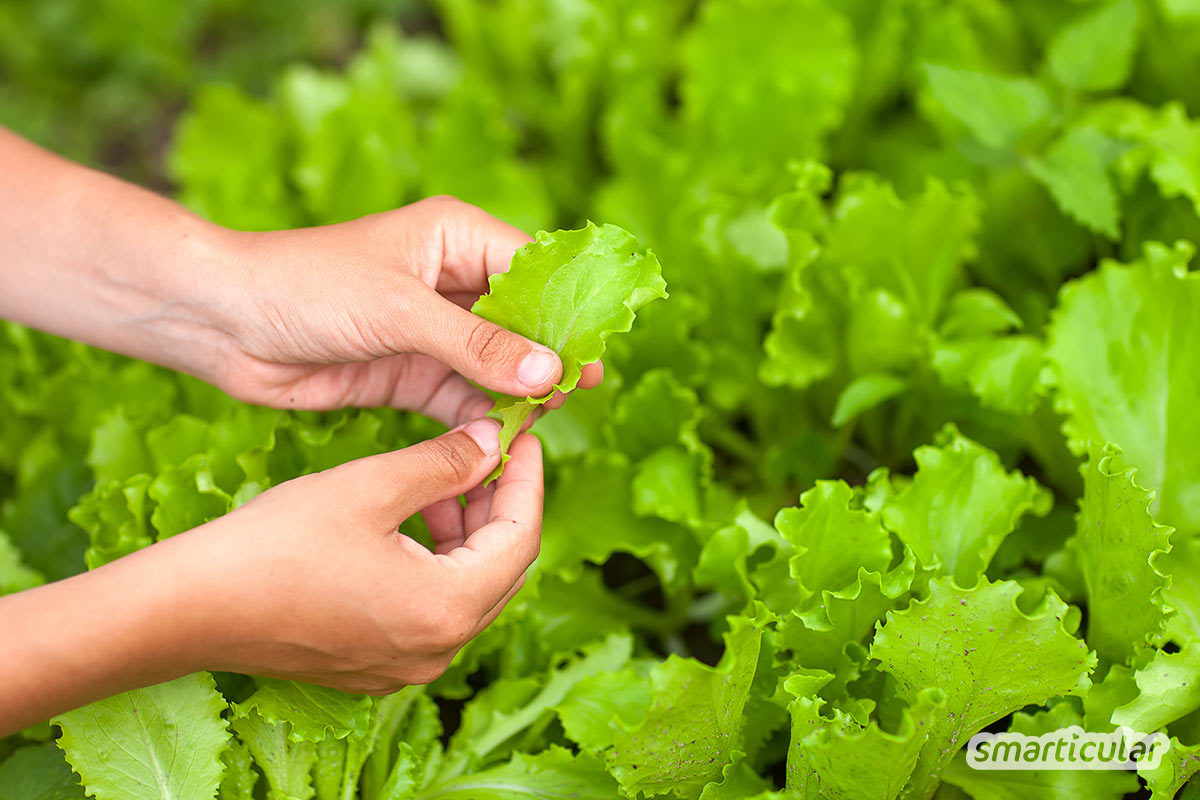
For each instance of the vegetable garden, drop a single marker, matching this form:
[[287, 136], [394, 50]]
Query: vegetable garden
[[910, 451]]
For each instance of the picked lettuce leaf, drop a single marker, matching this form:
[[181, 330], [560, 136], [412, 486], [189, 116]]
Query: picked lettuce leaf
[[571, 291]]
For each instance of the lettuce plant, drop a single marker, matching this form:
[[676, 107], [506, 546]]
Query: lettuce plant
[[909, 453]]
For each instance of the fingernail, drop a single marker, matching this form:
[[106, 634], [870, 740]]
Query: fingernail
[[486, 434], [537, 368]]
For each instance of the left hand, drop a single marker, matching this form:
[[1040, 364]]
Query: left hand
[[371, 312], [374, 312]]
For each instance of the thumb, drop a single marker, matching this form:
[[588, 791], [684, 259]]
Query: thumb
[[482, 351], [436, 469]]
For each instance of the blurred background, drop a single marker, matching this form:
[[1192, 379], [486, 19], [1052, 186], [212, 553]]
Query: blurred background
[[103, 83]]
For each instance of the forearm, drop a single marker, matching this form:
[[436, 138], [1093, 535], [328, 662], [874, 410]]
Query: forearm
[[89, 257], [132, 623]]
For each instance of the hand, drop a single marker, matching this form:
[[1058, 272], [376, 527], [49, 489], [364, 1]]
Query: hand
[[373, 312], [310, 580], [328, 592]]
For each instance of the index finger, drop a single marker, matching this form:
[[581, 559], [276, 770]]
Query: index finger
[[475, 246], [502, 549]]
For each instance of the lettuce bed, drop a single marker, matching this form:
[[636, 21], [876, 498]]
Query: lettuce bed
[[910, 452]]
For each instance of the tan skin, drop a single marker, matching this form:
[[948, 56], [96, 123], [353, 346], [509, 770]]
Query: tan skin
[[311, 580]]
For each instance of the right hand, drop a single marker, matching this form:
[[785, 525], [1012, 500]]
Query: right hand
[[314, 582]]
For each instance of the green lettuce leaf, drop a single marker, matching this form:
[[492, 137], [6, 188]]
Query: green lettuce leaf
[[405, 749], [1134, 390], [116, 517], [1002, 371], [353, 130], [842, 759], [1176, 769], [38, 772], [228, 155], [833, 539], [1168, 688], [692, 727], [570, 290], [657, 411], [987, 656], [159, 743], [237, 783], [286, 762], [998, 111], [960, 506], [741, 109], [1182, 594], [596, 708], [1095, 52], [739, 780], [820, 636], [864, 393], [571, 539], [550, 775], [1118, 546], [1074, 169], [312, 713], [487, 726]]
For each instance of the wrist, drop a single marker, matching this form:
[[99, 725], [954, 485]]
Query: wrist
[[129, 624], [175, 300]]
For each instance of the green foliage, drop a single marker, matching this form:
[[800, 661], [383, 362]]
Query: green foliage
[[1117, 546], [161, 742], [920, 402], [1135, 391], [960, 506], [975, 644], [694, 723], [38, 772]]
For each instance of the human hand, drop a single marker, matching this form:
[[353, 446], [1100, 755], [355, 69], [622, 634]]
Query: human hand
[[310, 580], [374, 312], [322, 588], [371, 312]]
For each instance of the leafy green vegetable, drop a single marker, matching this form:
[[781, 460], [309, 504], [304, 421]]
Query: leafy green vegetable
[[1117, 546], [987, 656], [960, 506], [570, 291], [998, 111], [690, 730], [1167, 690], [160, 742], [312, 712], [919, 406], [38, 772], [1095, 51], [841, 758], [1135, 390]]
